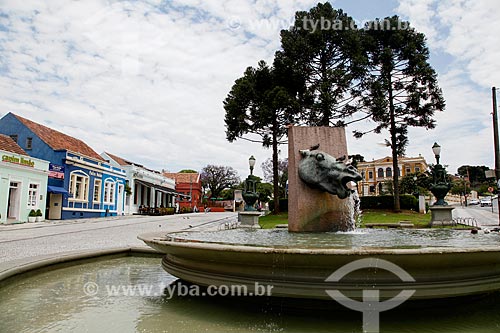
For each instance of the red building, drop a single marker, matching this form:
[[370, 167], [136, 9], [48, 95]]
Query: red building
[[188, 184]]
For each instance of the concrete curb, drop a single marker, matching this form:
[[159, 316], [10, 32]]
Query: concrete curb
[[13, 268]]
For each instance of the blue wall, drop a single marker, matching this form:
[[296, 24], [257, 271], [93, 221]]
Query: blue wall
[[10, 125]]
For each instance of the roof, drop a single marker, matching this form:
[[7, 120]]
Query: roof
[[59, 141], [119, 160], [183, 177], [8, 144]]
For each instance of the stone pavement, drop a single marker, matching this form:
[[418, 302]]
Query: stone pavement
[[18, 241]]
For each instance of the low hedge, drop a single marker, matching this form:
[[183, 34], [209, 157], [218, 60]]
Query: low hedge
[[406, 201], [283, 205]]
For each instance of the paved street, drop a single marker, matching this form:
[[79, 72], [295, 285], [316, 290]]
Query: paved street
[[33, 239], [483, 215]]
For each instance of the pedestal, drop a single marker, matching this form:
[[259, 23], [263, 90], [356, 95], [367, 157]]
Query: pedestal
[[249, 219], [441, 215], [313, 210]]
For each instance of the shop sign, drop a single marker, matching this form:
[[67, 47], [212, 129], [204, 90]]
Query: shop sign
[[56, 171], [18, 160]]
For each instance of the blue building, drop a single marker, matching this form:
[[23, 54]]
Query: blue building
[[81, 183]]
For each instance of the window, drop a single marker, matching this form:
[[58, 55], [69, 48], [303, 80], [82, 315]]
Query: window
[[14, 137], [33, 196], [408, 170], [109, 191], [79, 186], [380, 173], [388, 172], [417, 169], [97, 190], [370, 174], [29, 143]]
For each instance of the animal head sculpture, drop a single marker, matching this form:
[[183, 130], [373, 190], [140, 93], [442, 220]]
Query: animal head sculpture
[[322, 171]]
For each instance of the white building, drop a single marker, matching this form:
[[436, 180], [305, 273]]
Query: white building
[[145, 187], [23, 182]]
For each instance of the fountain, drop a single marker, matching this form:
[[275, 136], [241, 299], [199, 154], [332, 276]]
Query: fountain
[[299, 263]]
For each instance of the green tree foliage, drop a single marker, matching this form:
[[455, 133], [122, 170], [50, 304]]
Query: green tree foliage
[[267, 169], [258, 108], [355, 159], [409, 185], [400, 87], [217, 178], [265, 191], [323, 48], [188, 171], [475, 174]]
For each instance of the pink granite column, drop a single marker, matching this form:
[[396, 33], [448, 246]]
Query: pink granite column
[[311, 209]]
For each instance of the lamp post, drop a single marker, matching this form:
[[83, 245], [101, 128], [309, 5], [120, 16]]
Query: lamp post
[[250, 194], [436, 149], [441, 212], [496, 143], [251, 162], [441, 186]]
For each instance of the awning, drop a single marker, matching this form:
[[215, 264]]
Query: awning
[[158, 187], [57, 189]]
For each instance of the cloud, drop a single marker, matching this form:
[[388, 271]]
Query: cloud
[[140, 79], [146, 79]]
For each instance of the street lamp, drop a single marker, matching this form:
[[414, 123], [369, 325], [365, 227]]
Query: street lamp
[[251, 162], [437, 151]]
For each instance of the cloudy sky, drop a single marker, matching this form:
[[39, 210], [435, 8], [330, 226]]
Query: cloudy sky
[[146, 79]]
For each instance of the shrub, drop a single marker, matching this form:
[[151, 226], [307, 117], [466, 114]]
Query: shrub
[[283, 205], [32, 213], [406, 201], [39, 212]]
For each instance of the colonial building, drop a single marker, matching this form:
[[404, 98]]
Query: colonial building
[[377, 172], [81, 183], [145, 187], [188, 185], [23, 182]]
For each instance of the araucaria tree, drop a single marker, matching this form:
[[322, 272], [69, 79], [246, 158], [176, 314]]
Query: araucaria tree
[[324, 49], [400, 88], [217, 178], [258, 108]]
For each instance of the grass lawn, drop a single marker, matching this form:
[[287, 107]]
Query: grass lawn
[[388, 216], [369, 216], [270, 221]]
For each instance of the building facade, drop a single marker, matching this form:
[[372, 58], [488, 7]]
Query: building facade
[[145, 187], [23, 182], [377, 172], [81, 184], [190, 190]]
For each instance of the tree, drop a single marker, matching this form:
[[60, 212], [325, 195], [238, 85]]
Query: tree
[[324, 49], [421, 185], [188, 171], [268, 170], [355, 159], [217, 178], [475, 174], [258, 108], [400, 89]]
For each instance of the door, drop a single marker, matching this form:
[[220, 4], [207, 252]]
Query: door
[[55, 206], [14, 201], [119, 204]]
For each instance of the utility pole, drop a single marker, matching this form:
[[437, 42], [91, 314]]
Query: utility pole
[[495, 138]]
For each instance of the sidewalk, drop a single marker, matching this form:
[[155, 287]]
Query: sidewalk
[[51, 223]]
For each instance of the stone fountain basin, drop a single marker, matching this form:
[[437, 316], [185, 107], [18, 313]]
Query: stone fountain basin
[[300, 272]]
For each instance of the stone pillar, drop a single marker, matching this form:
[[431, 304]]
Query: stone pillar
[[311, 209]]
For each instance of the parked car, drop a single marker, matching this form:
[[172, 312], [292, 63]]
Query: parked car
[[473, 202], [486, 201]]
